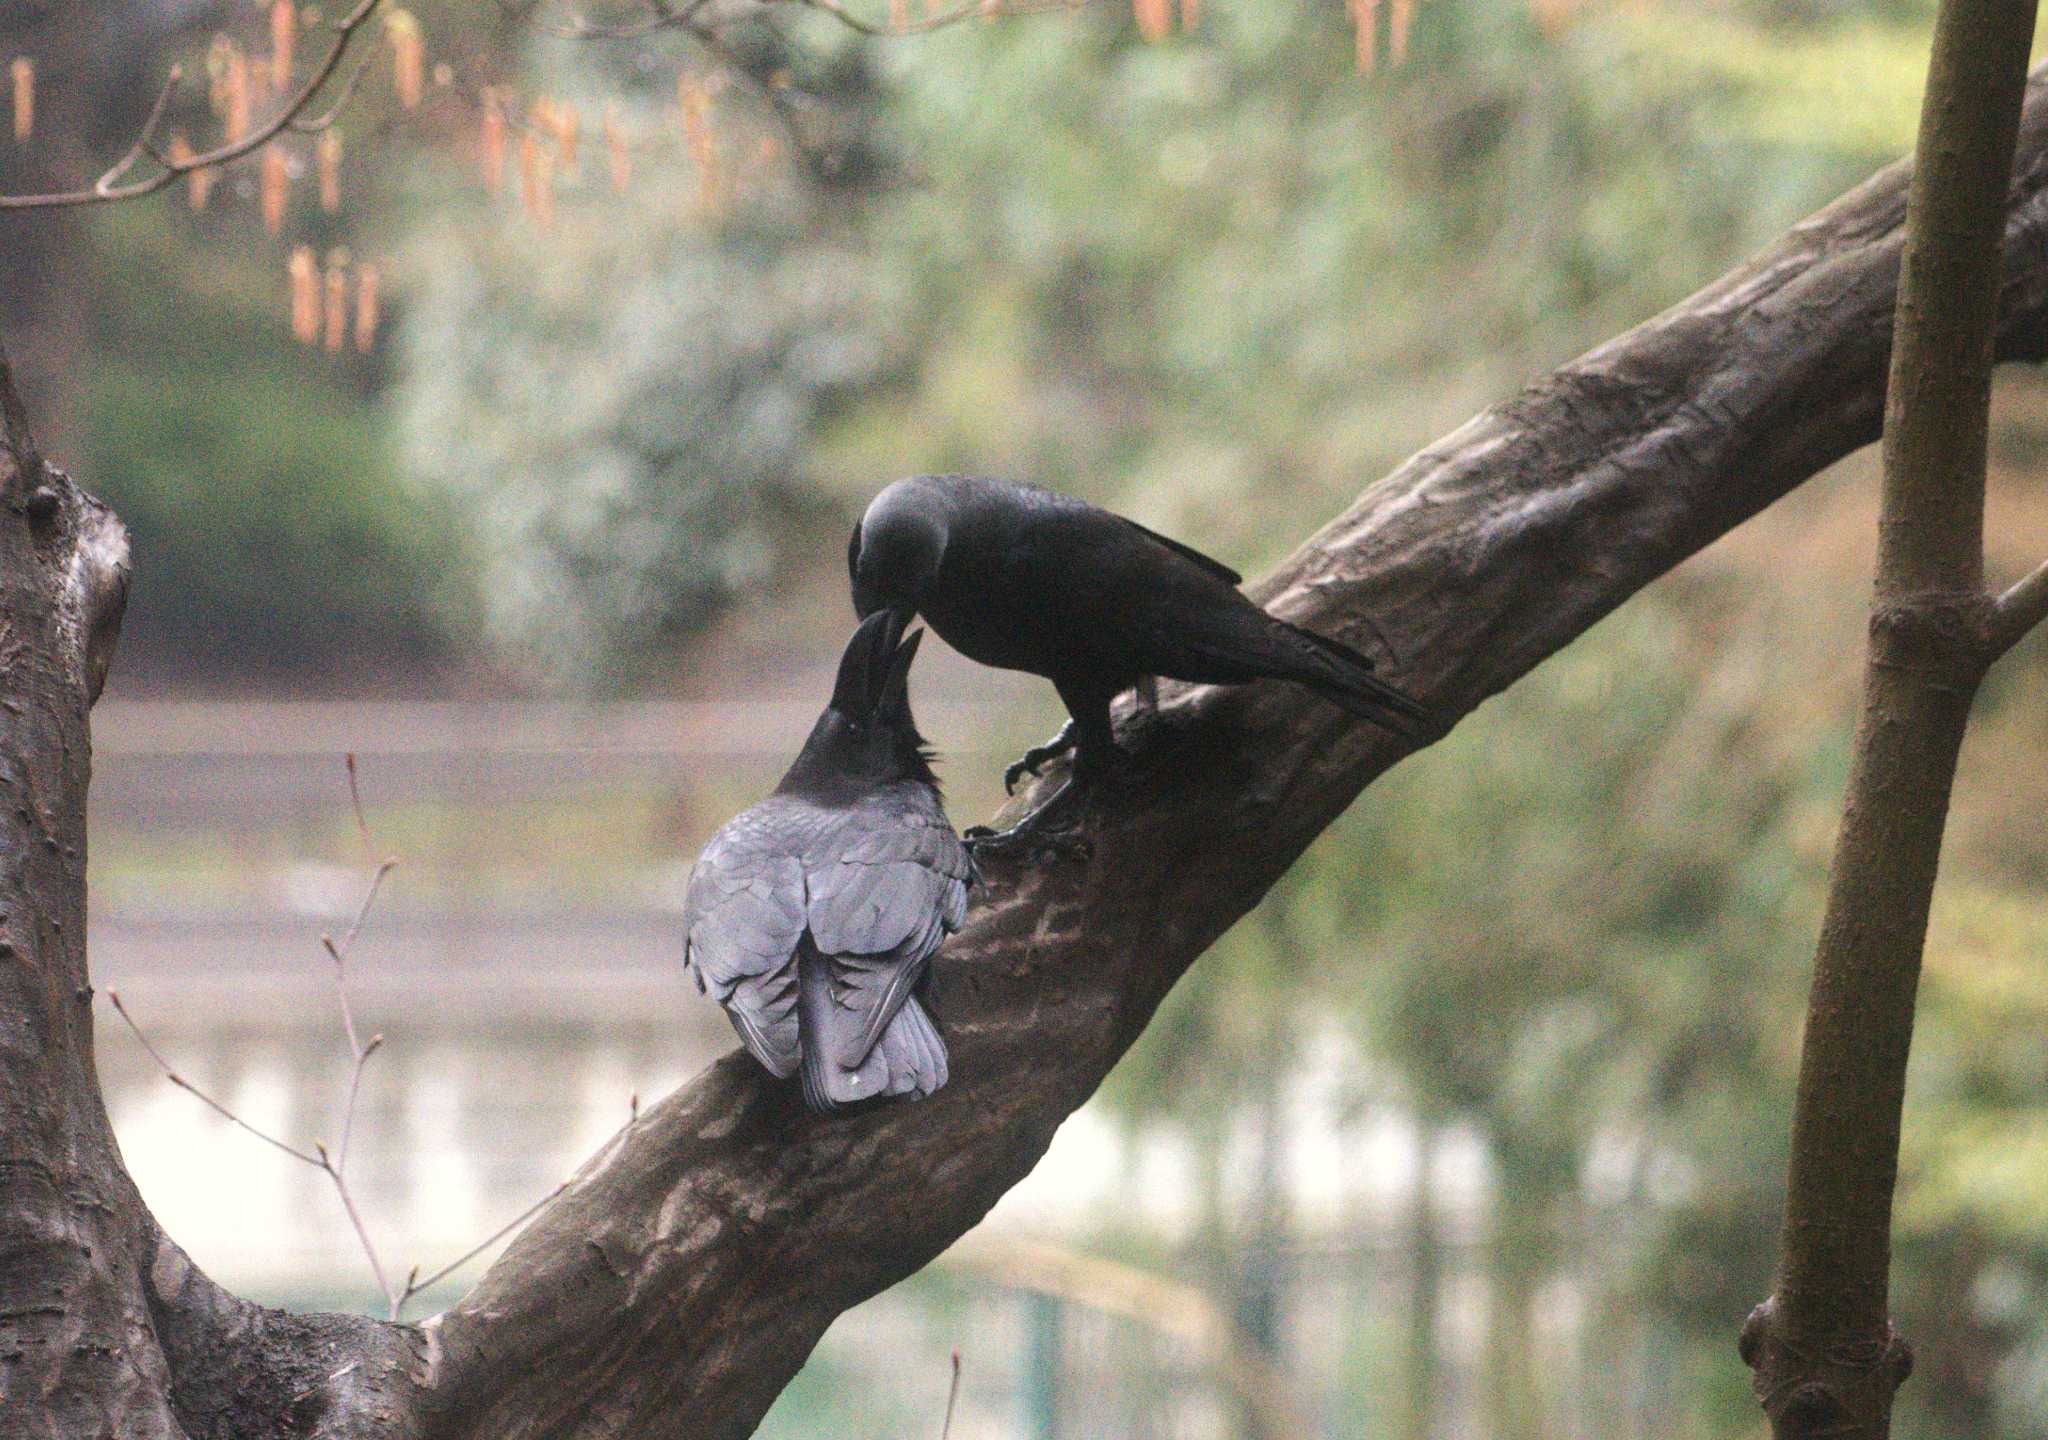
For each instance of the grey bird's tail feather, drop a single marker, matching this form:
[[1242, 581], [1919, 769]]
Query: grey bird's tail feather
[[1344, 677], [908, 1059]]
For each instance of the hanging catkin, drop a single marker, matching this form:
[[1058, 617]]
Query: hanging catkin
[[493, 140], [24, 71], [277, 180], [337, 298], [408, 55], [284, 32], [329, 152], [367, 283], [305, 296]]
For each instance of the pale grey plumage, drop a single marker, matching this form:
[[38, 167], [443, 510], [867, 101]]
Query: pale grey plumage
[[812, 917], [853, 900]]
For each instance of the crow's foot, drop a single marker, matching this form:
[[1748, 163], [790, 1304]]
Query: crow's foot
[[1037, 757], [1048, 832]]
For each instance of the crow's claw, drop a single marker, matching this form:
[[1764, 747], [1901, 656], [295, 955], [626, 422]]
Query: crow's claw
[[1024, 844], [1032, 761], [1048, 832]]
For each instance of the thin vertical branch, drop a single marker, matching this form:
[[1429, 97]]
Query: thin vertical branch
[[360, 1051], [1827, 1357], [355, 1219]]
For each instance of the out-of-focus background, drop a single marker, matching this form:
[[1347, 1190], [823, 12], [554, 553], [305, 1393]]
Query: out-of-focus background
[[557, 553]]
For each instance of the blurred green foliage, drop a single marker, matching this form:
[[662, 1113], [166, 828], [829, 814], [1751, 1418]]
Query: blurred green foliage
[[260, 493]]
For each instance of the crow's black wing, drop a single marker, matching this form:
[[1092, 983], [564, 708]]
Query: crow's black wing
[[888, 883], [1186, 552], [743, 919]]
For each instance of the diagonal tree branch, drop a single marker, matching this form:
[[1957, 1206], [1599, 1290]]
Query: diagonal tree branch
[[682, 1279]]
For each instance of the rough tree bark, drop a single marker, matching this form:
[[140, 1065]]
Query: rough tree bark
[[676, 1286], [1827, 1358]]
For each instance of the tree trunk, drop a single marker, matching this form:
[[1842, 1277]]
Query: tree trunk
[[680, 1282], [1827, 1358]]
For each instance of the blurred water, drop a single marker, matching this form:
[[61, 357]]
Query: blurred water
[[522, 967]]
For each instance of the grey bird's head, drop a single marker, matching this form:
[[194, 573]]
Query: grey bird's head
[[896, 550], [866, 735]]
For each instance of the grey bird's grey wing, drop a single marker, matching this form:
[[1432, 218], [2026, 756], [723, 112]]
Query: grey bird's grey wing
[[743, 919], [887, 884]]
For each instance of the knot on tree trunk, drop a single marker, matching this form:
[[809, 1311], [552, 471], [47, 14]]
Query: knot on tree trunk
[[1813, 1385], [1947, 638], [79, 544]]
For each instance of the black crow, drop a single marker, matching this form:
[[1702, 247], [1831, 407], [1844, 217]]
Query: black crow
[[1028, 579], [811, 917]]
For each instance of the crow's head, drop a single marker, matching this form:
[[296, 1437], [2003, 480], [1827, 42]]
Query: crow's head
[[896, 550], [866, 735]]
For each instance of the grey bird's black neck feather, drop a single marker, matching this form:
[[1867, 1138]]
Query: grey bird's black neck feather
[[866, 737]]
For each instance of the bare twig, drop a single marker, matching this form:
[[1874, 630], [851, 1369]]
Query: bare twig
[[355, 1218], [414, 1284], [145, 138], [384, 867], [2019, 610], [348, 1111], [114, 997], [667, 15], [355, 803], [661, 15], [303, 125], [359, 1050], [952, 1397], [972, 10], [332, 1164], [339, 954], [345, 31]]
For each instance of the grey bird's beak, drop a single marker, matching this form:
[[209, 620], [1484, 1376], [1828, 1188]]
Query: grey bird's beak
[[894, 702], [864, 668]]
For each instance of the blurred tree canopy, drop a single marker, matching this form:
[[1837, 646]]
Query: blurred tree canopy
[[1218, 278]]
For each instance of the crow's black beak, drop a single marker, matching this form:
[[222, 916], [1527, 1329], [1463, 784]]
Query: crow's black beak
[[864, 668]]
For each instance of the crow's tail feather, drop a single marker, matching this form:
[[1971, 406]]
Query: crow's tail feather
[[1345, 677], [909, 1058]]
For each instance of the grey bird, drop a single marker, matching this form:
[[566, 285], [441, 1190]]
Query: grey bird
[[1024, 578], [813, 916]]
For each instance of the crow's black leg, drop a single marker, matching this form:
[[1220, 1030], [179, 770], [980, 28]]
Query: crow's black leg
[[1096, 756], [1147, 695], [1035, 759], [1049, 827]]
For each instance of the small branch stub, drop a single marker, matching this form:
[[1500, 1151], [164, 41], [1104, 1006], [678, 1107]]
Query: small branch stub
[[1813, 1387]]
